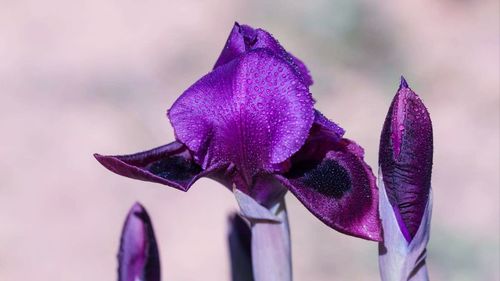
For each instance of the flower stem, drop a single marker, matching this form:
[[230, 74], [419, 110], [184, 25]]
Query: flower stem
[[271, 251], [239, 237], [420, 274], [270, 238], [400, 260]]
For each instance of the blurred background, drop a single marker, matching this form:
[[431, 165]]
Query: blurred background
[[78, 77]]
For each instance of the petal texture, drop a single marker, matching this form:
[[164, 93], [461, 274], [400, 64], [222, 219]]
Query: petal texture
[[324, 128], [330, 177], [138, 256], [405, 158], [244, 38], [253, 112], [171, 164]]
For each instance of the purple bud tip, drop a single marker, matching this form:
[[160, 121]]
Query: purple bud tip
[[405, 157], [138, 257], [403, 83]]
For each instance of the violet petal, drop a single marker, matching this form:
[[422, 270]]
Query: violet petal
[[405, 158], [171, 164], [339, 189], [138, 258], [238, 114], [244, 38], [325, 128], [324, 136]]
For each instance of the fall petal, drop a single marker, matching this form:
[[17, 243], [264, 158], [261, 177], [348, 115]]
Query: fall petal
[[243, 112], [171, 164], [339, 189], [138, 257]]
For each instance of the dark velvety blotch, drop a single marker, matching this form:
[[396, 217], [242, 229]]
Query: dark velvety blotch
[[328, 178], [175, 168], [170, 164]]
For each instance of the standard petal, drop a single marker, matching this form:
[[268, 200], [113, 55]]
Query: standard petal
[[339, 188], [138, 258], [405, 158], [240, 40], [171, 164], [244, 38], [253, 112]]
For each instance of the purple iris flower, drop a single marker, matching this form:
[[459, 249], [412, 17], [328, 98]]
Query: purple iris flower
[[138, 257], [405, 160], [250, 124]]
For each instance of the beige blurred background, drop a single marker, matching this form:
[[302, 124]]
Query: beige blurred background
[[78, 77]]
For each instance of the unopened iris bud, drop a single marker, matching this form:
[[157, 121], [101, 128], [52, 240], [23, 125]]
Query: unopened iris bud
[[138, 258], [405, 166]]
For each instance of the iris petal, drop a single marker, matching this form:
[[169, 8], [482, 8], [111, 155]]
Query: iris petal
[[244, 38], [253, 112], [332, 180], [405, 158], [171, 164], [324, 136], [138, 257]]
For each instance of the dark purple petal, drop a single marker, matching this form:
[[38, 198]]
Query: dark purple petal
[[324, 136], [405, 158], [171, 164], [239, 239], [324, 128], [332, 180], [244, 38], [138, 258], [240, 40], [252, 112]]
